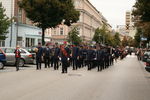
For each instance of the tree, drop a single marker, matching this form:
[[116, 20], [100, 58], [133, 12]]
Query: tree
[[73, 37], [124, 41], [137, 37], [4, 23], [142, 10], [141, 14], [100, 35], [50, 13], [116, 39], [97, 36]]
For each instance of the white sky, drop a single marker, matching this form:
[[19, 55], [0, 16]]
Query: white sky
[[113, 10]]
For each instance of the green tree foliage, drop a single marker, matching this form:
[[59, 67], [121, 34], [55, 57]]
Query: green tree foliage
[[97, 36], [73, 37], [116, 39], [141, 14], [142, 10], [124, 42], [109, 39], [4, 23], [50, 13], [100, 35], [137, 37], [131, 42]]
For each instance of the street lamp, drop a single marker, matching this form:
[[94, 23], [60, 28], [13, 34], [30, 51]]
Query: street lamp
[[11, 30]]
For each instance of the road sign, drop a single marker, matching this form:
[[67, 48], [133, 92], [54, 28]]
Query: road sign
[[143, 39]]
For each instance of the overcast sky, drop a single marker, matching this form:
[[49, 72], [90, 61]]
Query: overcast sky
[[113, 10]]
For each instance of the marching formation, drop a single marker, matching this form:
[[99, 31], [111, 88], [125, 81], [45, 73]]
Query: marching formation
[[77, 56]]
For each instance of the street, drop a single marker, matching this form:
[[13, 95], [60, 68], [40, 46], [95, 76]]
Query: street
[[126, 80]]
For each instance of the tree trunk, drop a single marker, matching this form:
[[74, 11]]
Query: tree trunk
[[43, 36]]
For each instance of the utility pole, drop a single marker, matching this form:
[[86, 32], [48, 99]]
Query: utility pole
[[11, 31]]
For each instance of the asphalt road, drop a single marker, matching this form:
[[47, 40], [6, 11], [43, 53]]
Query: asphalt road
[[126, 80]]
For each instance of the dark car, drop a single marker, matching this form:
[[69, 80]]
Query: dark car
[[146, 56], [2, 59]]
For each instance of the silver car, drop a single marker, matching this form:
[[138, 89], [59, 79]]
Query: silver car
[[26, 57]]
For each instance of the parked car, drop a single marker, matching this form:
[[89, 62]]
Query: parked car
[[2, 59], [146, 56], [32, 51], [26, 57]]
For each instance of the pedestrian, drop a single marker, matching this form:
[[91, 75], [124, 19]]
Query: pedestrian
[[75, 57], [90, 57], [17, 56], [47, 55], [64, 55], [56, 56], [100, 58], [52, 55], [39, 54]]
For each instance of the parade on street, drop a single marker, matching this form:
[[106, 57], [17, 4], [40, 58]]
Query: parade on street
[[125, 80], [74, 49]]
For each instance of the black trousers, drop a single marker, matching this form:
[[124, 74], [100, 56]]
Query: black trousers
[[52, 61], [100, 65], [47, 61], [65, 64], [89, 64], [75, 63], [38, 63], [56, 65], [17, 63]]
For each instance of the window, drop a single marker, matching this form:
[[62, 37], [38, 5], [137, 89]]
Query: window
[[78, 30], [28, 21], [10, 50], [20, 15], [54, 31], [61, 31], [2, 43], [22, 51], [30, 42]]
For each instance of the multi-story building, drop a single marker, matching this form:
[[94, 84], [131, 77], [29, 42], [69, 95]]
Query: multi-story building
[[90, 19], [121, 29], [130, 29], [22, 31]]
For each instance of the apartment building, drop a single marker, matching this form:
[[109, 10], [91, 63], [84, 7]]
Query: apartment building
[[130, 29], [90, 19], [22, 31]]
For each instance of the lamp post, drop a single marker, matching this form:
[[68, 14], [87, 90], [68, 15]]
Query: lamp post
[[11, 30]]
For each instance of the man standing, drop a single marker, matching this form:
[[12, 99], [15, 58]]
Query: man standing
[[46, 55], [56, 56], [64, 54], [39, 55], [90, 57], [75, 57], [17, 56]]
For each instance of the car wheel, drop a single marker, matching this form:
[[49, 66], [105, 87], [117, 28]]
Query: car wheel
[[1, 65], [21, 63]]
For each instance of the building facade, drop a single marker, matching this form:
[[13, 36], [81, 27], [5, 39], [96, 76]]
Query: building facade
[[90, 19], [21, 31], [130, 29]]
